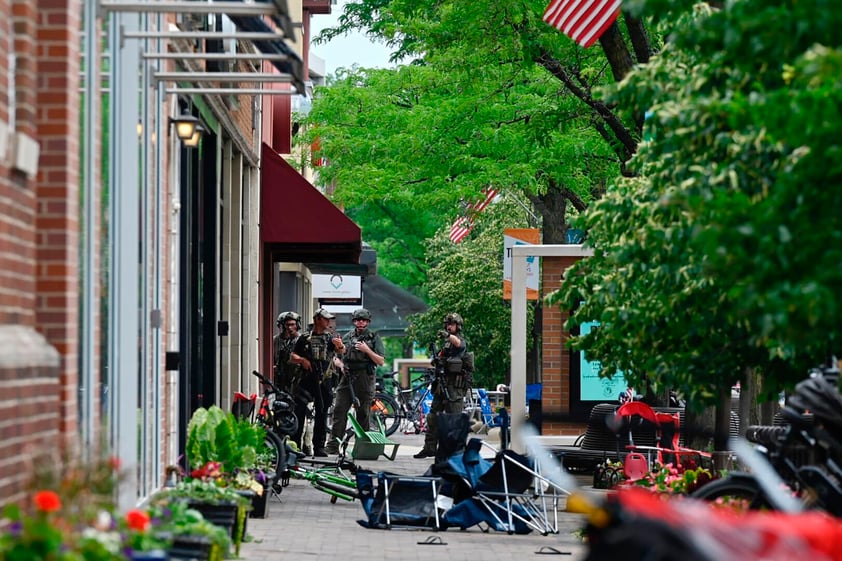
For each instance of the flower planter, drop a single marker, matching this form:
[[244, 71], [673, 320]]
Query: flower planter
[[191, 548], [224, 515], [260, 504], [153, 555]]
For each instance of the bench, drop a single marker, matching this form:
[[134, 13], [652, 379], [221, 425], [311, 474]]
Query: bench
[[369, 445], [599, 443]]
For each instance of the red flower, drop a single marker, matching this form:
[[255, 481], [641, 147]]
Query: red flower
[[137, 520], [47, 501], [115, 463]]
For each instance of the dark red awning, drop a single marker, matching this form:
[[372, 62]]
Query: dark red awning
[[298, 223]]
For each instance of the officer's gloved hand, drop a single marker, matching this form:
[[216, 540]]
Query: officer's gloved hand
[[443, 334]]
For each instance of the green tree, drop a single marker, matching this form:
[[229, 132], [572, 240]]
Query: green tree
[[491, 95], [467, 278], [725, 253]]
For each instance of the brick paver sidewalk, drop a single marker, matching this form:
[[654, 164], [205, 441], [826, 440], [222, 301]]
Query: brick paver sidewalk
[[305, 525]]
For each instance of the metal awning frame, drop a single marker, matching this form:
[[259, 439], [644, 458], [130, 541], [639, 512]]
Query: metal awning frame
[[228, 91], [214, 82], [191, 7]]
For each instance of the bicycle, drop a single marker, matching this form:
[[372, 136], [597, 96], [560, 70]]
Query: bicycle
[[410, 404], [275, 414], [337, 477], [804, 453]]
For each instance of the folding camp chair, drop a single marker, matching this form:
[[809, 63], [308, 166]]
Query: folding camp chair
[[393, 501], [490, 419], [509, 494], [369, 445]]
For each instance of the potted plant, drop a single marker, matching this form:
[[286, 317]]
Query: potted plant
[[191, 535], [225, 447], [219, 504]]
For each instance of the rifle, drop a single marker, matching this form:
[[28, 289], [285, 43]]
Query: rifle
[[437, 372]]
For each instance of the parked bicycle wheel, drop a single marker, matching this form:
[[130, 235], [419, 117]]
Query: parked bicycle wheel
[[737, 487], [274, 455], [385, 408]]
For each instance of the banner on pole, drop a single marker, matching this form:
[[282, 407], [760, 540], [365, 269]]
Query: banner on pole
[[521, 236]]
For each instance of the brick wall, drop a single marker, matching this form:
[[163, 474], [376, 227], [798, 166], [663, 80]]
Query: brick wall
[[38, 237], [555, 396], [57, 191]]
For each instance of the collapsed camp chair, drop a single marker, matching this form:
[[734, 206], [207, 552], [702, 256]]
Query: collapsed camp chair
[[398, 501], [369, 445], [667, 449], [509, 493]]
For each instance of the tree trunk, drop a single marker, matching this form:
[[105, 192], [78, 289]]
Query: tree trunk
[[748, 397], [698, 428], [616, 52], [639, 39], [722, 430]]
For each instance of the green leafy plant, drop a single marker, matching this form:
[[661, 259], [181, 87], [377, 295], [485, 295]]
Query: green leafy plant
[[175, 520], [211, 492], [33, 536], [202, 491], [216, 436]]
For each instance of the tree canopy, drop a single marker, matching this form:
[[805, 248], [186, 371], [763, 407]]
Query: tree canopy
[[725, 252], [490, 96]]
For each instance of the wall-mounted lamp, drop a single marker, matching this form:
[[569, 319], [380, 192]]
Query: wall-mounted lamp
[[193, 141], [186, 126]]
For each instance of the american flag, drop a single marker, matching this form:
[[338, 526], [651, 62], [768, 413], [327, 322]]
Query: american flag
[[582, 20], [463, 225]]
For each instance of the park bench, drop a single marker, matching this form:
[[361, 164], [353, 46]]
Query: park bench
[[599, 443]]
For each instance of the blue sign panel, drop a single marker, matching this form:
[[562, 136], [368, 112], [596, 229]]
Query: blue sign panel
[[592, 387]]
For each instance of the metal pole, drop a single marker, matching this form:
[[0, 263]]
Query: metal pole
[[518, 385], [88, 376], [124, 326], [247, 77], [190, 7], [230, 91]]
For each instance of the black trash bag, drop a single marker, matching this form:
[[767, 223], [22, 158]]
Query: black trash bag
[[452, 432]]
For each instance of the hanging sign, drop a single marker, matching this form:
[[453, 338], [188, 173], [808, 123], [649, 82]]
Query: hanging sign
[[521, 236]]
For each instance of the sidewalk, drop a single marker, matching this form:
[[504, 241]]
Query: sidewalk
[[304, 524]]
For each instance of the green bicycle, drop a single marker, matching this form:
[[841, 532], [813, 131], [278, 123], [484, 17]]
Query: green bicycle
[[337, 477]]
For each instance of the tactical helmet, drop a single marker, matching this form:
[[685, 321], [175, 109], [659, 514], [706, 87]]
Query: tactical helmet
[[453, 318], [286, 316], [361, 313]]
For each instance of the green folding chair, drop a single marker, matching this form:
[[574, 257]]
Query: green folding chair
[[370, 445]]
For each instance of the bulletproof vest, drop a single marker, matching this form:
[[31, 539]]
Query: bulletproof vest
[[321, 349], [356, 358]]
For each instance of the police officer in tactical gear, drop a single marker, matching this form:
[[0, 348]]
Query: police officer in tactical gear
[[287, 374], [450, 384], [314, 351], [364, 354]]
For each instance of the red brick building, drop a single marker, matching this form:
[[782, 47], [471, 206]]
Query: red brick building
[[130, 263]]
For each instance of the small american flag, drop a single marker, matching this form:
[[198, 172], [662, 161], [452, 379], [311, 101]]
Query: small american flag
[[582, 20], [463, 225]]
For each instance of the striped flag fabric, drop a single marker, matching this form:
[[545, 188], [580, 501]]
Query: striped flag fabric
[[463, 225], [582, 20]]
